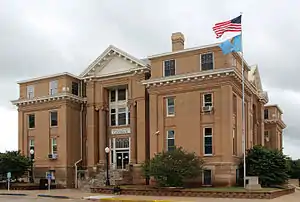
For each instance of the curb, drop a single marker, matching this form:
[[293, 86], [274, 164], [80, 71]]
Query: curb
[[53, 196], [12, 194]]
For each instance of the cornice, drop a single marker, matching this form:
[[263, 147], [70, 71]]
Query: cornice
[[49, 98], [275, 121]]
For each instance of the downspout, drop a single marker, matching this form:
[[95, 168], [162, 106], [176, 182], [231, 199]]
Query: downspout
[[81, 134]]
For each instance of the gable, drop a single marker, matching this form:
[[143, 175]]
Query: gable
[[254, 77], [113, 61], [115, 65]]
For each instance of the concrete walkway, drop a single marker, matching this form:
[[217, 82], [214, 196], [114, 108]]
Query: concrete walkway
[[76, 194]]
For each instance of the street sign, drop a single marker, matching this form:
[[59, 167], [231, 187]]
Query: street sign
[[9, 175]]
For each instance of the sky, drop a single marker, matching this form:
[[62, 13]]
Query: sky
[[40, 37]]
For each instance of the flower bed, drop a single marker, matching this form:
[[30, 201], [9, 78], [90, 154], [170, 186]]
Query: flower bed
[[212, 193]]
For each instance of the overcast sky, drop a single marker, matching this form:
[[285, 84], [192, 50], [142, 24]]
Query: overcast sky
[[45, 37]]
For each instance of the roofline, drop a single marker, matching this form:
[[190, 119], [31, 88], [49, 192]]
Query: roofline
[[275, 105], [194, 49], [105, 52], [183, 51], [48, 76]]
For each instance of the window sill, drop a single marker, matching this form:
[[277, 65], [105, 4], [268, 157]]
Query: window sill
[[31, 128], [171, 115], [208, 155], [53, 127]]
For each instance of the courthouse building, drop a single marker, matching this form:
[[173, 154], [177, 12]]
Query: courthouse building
[[189, 97]]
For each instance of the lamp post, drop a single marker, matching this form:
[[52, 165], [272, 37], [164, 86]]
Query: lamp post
[[107, 150], [31, 169]]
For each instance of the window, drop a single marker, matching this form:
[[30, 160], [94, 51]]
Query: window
[[53, 146], [122, 116], [169, 67], [53, 118], [170, 106], [31, 147], [266, 114], [207, 62], [170, 140], [30, 92], [266, 134], [31, 121], [207, 177], [53, 87], [121, 94], [208, 141], [234, 63], [119, 116], [207, 100], [75, 88], [118, 95]]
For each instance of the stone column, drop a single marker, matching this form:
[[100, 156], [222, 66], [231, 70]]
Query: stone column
[[102, 135], [133, 127]]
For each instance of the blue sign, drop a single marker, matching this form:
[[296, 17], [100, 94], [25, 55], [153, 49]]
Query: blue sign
[[49, 176], [9, 175]]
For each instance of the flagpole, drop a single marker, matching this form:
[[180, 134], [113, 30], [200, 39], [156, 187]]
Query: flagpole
[[243, 109]]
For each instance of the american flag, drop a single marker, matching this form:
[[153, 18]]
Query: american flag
[[233, 25]]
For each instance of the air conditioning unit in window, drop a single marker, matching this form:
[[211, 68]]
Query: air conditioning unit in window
[[207, 108], [52, 156]]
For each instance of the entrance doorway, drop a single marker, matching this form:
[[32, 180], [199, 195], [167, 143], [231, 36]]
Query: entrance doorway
[[122, 159], [120, 152]]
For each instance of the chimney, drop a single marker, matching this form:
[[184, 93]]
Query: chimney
[[177, 41]]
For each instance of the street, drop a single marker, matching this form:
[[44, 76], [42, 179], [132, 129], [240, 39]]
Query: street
[[32, 199]]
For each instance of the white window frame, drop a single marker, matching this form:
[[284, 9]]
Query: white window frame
[[50, 118], [31, 144], [30, 92], [118, 105], [213, 56], [164, 67], [53, 87], [168, 138], [204, 135], [169, 106], [212, 99], [53, 140]]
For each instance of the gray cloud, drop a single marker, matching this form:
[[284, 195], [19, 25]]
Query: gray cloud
[[45, 37]]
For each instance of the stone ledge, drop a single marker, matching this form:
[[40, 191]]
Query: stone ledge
[[196, 193]]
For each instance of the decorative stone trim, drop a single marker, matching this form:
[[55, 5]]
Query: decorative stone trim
[[201, 76], [181, 192], [275, 121], [49, 98]]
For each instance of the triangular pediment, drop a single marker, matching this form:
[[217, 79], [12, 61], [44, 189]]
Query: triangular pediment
[[113, 61], [254, 78]]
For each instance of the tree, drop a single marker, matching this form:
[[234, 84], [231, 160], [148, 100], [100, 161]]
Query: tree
[[294, 168], [14, 162], [271, 166], [171, 168]]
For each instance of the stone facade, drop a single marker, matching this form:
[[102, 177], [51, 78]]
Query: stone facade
[[139, 107]]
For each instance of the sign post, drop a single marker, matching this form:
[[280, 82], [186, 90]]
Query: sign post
[[49, 177], [8, 180]]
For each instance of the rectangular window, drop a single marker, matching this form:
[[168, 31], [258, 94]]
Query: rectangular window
[[170, 102], [112, 96], [121, 94], [53, 85], [170, 140], [266, 114], [119, 116], [30, 92], [169, 68], [31, 147], [208, 132], [53, 146], [207, 61], [53, 118], [75, 88], [207, 99], [31, 121], [122, 116], [207, 177]]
